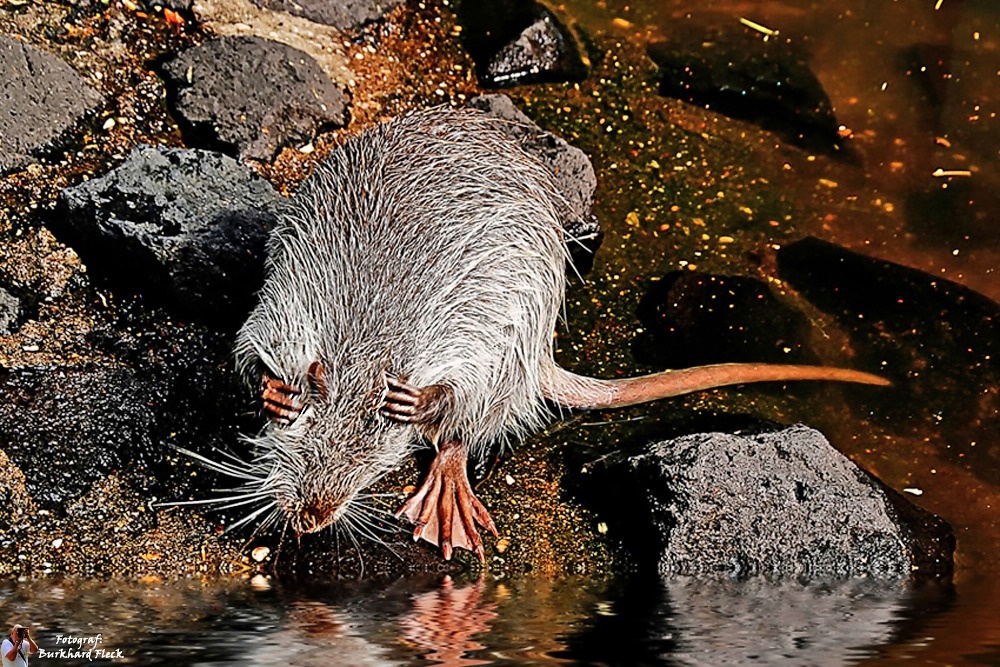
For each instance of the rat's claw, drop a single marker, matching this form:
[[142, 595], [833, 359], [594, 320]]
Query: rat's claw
[[408, 404], [279, 400], [445, 510]]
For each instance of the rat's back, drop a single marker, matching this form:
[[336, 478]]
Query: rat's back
[[428, 247]]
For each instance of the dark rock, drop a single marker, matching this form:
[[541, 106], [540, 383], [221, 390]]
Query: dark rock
[[43, 101], [742, 76], [250, 96], [188, 227], [690, 319], [342, 15], [783, 504], [938, 340], [519, 41], [66, 428], [572, 169], [168, 386], [10, 311]]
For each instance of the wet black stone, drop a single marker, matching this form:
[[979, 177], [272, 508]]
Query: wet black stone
[[690, 319], [66, 428], [573, 172], [162, 386], [784, 504], [937, 340], [515, 42], [251, 97], [43, 101], [342, 15], [185, 227], [10, 311], [742, 76]]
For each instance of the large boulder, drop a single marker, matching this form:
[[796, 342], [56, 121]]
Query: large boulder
[[938, 340], [690, 318], [742, 76], [216, 91], [781, 504], [186, 227]]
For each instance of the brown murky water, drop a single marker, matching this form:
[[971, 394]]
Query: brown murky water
[[916, 85]]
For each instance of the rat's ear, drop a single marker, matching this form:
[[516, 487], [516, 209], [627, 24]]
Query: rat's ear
[[316, 380]]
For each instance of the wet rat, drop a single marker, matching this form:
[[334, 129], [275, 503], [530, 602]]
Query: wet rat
[[413, 287]]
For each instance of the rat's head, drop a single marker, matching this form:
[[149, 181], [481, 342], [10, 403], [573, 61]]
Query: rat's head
[[315, 467]]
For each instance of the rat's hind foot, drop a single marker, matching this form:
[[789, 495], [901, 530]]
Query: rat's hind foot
[[279, 400], [445, 509], [414, 405]]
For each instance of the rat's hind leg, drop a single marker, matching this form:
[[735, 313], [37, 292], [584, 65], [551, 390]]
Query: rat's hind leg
[[444, 509]]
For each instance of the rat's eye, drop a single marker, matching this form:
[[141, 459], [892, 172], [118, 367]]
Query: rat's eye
[[316, 381]]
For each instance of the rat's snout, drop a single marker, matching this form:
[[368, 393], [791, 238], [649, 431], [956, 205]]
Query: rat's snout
[[315, 515]]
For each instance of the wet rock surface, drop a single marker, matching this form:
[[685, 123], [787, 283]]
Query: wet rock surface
[[783, 504], [159, 387], [187, 227], [691, 319], [742, 76], [215, 91], [65, 428], [938, 340], [342, 15], [43, 101], [574, 174], [519, 41]]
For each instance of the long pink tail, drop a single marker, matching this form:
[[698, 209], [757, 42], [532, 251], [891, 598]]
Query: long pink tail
[[579, 391]]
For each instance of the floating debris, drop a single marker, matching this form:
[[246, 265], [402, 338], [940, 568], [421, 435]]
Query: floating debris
[[758, 27], [914, 492], [260, 553], [945, 173]]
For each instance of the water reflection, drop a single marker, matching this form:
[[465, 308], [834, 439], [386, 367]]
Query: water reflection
[[688, 621], [445, 621], [529, 621]]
